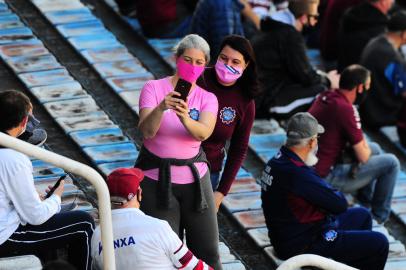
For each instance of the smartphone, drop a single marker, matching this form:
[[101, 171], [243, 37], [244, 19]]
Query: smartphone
[[183, 88], [58, 182]]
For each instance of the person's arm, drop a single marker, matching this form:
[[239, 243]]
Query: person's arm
[[297, 61], [351, 124], [150, 118], [362, 151], [25, 199], [151, 109], [236, 153], [249, 14], [179, 254], [200, 129], [318, 192]]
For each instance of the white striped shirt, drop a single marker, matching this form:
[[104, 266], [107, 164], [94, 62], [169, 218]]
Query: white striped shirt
[[144, 243]]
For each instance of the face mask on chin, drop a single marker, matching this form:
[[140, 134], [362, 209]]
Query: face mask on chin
[[312, 159]]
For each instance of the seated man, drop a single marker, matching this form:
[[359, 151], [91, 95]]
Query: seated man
[[290, 82], [346, 160], [305, 215], [141, 242], [28, 223], [383, 105], [358, 26]]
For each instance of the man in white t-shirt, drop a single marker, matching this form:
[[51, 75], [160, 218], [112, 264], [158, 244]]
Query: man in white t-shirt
[[140, 242]]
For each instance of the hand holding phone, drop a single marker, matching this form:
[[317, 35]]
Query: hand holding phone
[[58, 182], [183, 88]]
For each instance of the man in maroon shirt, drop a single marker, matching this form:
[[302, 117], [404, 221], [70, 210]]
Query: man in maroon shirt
[[370, 172]]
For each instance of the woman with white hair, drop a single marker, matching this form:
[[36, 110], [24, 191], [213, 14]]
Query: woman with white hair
[[176, 171]]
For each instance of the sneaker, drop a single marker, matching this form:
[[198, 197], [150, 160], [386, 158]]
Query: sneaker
[[33, 123], [36, 137]]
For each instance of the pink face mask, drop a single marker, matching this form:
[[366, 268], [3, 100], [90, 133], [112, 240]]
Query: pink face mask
[[226, 73], [187, 71]]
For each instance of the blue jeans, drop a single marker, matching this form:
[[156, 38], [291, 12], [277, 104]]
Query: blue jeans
[[355, 245], [374, 181], [215, 180]]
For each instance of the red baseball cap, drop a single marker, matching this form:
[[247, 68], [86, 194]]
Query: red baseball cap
[[124, 182]]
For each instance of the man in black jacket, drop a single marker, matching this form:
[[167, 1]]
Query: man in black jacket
[[358, 26], [290, 82], [383, 105]]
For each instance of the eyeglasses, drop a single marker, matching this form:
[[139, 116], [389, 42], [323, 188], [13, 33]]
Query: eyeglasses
[[309, 16]]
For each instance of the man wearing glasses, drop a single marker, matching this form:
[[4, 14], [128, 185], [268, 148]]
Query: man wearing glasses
[[346, 160]]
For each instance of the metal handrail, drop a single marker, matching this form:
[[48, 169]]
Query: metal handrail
[[87, 173], [299, 261]]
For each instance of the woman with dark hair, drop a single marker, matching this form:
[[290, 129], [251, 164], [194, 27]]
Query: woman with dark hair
[[234, 81]]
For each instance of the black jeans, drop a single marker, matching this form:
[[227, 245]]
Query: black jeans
[[72, 229], [202, 234]]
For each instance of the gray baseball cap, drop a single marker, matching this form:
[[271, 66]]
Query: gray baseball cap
[[302, 126]]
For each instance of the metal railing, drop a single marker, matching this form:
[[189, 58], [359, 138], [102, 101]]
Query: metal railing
[[87, 173], [299, 261]]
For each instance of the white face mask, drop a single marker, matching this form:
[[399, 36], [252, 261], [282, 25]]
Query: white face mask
[[312, 159]]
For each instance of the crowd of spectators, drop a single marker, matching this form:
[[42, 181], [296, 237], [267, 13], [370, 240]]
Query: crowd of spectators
[[240, 60]]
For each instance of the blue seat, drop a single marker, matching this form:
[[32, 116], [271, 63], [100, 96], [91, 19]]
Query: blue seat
[[112, 153], [85, 28], [20, 64], [98, 137], [97, 55], [94, 41], [42, 169], [261, 142], [48, 77], [107, 168], [70, 15]]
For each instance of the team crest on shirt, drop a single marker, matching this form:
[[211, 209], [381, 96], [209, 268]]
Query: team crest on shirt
[[227, 115], [194, 114], [330, 235]]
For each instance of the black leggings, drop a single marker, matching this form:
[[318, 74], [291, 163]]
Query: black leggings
[[202, 234], [73, 229]]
